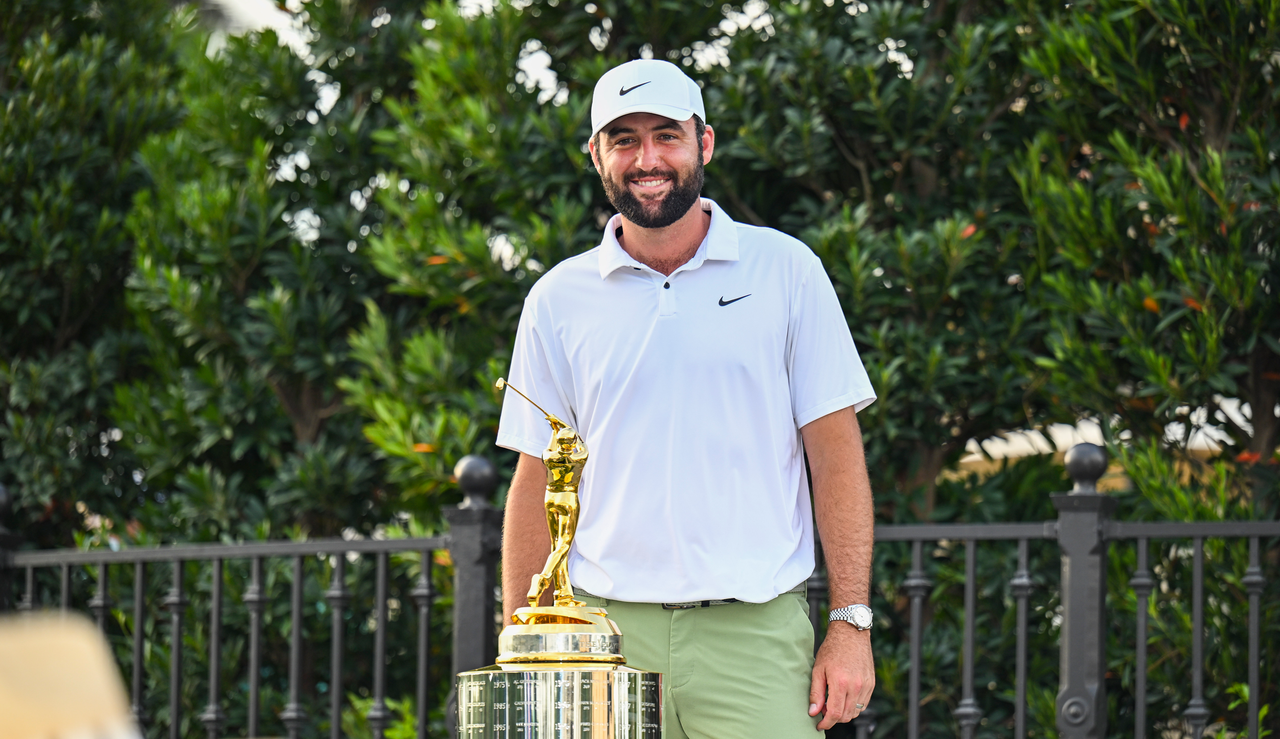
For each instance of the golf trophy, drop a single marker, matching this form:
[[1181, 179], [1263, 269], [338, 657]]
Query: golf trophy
[[560, 671]]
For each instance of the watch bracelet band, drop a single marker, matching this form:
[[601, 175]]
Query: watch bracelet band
[[845, 613]]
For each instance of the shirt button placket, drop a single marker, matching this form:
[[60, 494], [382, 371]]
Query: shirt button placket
[[666, 299]]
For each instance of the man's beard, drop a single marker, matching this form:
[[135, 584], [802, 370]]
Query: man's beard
[[685, 191]]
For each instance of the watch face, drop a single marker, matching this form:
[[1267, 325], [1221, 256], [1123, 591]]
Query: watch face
[[862, 617]]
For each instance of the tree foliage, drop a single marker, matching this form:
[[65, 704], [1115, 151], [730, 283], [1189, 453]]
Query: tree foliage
[[882, 135], [1156, 207], [262, 291], [252, 269], [80, 91]]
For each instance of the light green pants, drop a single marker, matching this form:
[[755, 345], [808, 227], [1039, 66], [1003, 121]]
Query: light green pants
[[737, 670]]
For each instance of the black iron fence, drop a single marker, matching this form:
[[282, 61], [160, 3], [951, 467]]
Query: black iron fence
[[175, 559], [472, 545], [1082, 531]]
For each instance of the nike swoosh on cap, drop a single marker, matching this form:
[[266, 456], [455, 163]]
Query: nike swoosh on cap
[[724, 302], [625, 90]]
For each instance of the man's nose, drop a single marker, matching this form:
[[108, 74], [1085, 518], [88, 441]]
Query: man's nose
[[647, 157]]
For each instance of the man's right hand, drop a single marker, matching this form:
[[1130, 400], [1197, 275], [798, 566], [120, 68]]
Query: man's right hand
[[526, 543]]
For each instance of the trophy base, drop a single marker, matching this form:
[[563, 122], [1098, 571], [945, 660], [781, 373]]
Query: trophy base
[[560, 634], [559, 701]]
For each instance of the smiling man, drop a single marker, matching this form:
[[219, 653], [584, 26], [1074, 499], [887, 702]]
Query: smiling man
[[702, 360]]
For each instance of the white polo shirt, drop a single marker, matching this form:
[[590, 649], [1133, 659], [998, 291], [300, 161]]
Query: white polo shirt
[[690, 391]]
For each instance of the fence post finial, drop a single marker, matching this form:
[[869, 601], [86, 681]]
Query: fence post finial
[[478, 478], [1086, 463]]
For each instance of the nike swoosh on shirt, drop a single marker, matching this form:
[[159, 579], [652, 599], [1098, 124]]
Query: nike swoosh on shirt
[[625, 90], [724, 302]]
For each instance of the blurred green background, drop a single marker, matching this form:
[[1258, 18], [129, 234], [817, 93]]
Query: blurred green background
[[259, 284]]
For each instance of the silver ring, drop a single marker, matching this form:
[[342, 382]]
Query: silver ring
[[859, 706]]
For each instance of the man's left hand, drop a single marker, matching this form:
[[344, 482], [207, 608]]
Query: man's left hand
[[843, 675]]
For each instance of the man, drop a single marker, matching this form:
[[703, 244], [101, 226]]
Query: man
[[701, 359]]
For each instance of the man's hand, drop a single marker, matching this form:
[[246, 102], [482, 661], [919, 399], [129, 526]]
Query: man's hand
[[525, 539], [843, 675]]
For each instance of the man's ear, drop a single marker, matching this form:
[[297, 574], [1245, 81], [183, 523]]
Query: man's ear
[[708, 143], [595, 155]]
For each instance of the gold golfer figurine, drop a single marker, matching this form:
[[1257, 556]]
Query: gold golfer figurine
[[564, 458], [570, 630], [560, 671]]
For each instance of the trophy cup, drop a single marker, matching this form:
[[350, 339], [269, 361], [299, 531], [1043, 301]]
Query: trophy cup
[[560, 670]]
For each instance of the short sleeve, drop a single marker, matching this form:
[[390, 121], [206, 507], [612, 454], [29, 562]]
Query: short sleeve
[[522, 427], [823, 366]]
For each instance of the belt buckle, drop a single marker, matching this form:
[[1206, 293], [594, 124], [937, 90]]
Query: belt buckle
[[678, 606]]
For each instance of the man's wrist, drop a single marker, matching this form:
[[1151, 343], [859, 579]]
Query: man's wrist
[[844, 632]]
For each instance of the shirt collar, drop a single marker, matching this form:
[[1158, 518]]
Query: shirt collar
[[720, 243]]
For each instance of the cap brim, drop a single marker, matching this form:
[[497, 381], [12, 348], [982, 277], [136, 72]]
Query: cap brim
[[673, 112]]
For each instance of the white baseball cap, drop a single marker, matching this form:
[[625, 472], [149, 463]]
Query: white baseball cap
[[645, 86]]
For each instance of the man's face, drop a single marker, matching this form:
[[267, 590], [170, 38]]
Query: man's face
[[651, 167]]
